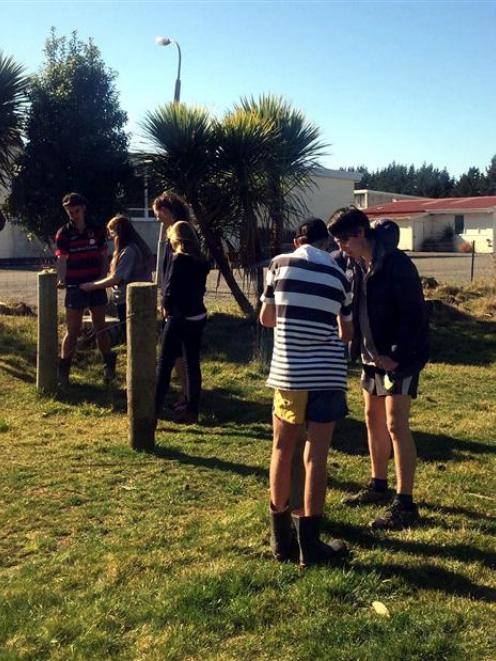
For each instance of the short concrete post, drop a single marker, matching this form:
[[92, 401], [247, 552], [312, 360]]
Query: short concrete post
[[47, 354], [141, 363]]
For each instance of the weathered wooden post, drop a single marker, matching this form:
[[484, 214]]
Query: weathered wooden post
[[141, 302], [47, 353], [472, 260]]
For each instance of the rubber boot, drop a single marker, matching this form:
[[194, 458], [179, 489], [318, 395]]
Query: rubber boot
[[109, 362], [312, 550], [64, 368], [282, 536]]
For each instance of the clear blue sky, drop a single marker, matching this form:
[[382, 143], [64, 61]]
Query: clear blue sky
[[405, 81]]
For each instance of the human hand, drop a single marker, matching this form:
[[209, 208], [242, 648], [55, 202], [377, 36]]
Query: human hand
[[60, 284], [385, 363]]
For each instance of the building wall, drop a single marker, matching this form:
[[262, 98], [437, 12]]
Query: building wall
[[406, 235], [328, 195], [364, 198], [16, 244], [479, 227]]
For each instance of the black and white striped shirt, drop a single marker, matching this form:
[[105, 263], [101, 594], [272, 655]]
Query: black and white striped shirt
[[309, 291]]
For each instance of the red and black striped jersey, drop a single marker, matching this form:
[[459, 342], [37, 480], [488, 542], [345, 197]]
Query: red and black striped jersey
[[86, 252]]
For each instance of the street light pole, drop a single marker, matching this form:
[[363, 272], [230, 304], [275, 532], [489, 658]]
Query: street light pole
[[146, 203], [165, 41]]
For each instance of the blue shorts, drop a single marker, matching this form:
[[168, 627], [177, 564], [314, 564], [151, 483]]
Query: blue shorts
[[77, 299]]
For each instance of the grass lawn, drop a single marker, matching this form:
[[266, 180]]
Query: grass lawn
[[108, 553]]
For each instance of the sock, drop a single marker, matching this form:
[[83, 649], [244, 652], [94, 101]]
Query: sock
[[379, 485], [405, 500]]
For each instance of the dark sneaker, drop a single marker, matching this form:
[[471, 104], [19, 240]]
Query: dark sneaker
[[63, 372], [367, 496], [396, 517], [110, 361], [185, 417]]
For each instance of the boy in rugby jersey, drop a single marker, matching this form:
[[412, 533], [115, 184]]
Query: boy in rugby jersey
[[307, 300], [81, 251]]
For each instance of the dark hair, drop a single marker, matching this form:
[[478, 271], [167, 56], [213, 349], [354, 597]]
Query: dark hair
[[125, 235], [312, 230], [175, 204], [73, 200], [346, 222]]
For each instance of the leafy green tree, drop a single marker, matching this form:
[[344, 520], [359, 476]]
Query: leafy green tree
[[470, 184], [13, 84], [426, 181], [490, 183], [76, 138]]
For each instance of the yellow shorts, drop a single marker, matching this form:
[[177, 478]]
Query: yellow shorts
[[290, 405]]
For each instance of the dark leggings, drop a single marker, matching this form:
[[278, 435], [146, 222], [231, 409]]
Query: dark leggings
[[121, 313], [180, 337]]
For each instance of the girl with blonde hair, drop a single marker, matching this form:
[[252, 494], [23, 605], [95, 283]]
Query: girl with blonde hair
[[185, 317]]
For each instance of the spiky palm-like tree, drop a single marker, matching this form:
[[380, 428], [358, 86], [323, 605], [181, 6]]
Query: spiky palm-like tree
[[13, 86], [293, 156], [184, 158], [243, 142]]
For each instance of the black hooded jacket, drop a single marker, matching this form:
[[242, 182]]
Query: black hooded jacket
[[395, 301]]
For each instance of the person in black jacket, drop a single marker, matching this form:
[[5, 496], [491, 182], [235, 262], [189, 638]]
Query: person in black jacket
[[169, 208], [185, 316], [391, 336]]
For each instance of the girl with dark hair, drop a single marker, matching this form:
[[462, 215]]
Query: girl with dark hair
[[132, 261], [185, 316]]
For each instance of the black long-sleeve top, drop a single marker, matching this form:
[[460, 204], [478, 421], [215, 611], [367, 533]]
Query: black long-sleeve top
[[184, 286]]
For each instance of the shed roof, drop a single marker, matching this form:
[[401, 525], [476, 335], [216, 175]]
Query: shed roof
[[426, 205]]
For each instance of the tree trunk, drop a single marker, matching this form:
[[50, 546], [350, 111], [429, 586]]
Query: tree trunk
[[219, 256]]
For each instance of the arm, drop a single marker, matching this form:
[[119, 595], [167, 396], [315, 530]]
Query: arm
[[410, 306], [345, 329], [109, 281], [268, 315]]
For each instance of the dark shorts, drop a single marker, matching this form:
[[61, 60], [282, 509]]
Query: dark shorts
[[376, 382], [300, 406], [77, 299]]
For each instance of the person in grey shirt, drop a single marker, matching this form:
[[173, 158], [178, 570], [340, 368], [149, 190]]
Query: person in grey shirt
[[132, 261]]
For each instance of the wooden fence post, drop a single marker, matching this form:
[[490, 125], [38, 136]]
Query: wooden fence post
[[141, 301], [47, 351]]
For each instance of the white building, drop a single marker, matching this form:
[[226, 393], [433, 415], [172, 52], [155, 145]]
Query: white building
[[470, 219], [332, 189], [365, 198]]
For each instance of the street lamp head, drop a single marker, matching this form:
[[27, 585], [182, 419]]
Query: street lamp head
[[163, 41]]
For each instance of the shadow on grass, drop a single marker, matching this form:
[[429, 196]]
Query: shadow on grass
[[229, 338], [424, 574], [351, 438], [431, 577], [221, 406], [457, 338], [18, 354], [77, 394], [212, 462]]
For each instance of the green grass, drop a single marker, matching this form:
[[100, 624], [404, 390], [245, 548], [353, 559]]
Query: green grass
[[105, 553]]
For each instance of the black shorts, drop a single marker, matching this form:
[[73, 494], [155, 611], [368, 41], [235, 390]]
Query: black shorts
[[376, 382], [77, 299]]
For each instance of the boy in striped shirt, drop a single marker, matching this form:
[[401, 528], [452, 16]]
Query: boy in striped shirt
[[307, 300]]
